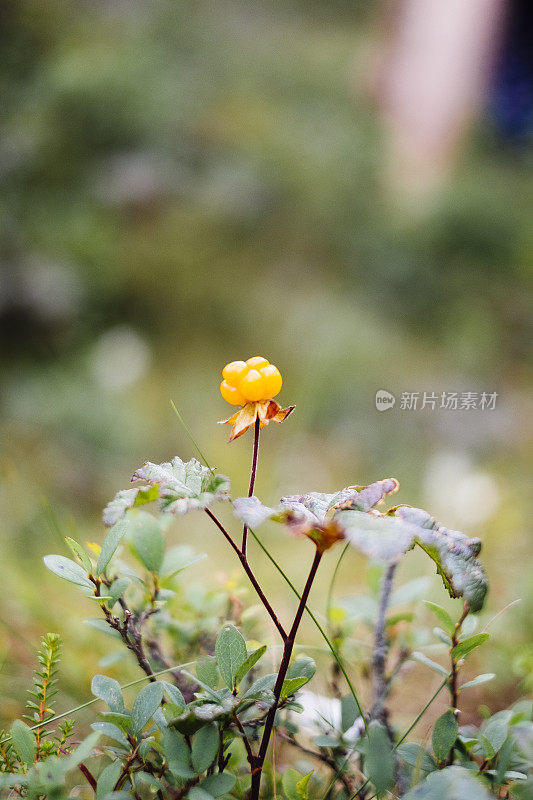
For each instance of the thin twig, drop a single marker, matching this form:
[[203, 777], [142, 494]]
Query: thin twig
[[253, 473], [381, 646], [282, 672], [248, 570]]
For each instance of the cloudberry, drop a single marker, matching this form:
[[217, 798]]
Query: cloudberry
[[250, 381]]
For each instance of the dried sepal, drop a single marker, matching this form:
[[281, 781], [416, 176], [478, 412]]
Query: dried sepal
[[264, 410]]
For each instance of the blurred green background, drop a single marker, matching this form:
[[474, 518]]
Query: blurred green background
[[185, 184]]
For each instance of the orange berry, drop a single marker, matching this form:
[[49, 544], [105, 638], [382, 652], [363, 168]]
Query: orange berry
[[231, 394], [252, 386], [256, 362], [272, 380], [233, 371]]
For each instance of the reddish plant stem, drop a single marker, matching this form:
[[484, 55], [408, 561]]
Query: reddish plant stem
[[253, 473], [282, 673], [90, 778], [248, 570], [454, 672]]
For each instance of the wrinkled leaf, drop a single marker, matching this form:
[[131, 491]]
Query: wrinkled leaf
[[454, 554], [128, 498], [184, 486]]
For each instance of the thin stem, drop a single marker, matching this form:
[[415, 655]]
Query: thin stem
[[189, 434], [321, 630], [282, 673], [329, 599], [419, 716], [253, 473], [248, 570], [381, 646], [88, 775], [245, 740]]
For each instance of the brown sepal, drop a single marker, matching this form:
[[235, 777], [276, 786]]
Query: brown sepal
[[266, 410]]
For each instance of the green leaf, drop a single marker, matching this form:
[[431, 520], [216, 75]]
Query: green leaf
[[177, 754], [219, 784], [110, 544], [349, 712], [117, 589], [422, 659], [198, 794], [442, 615], [173, 693], [78, 551], [128, 498], [112, 732], [146, 703], [477, 681], [380, 538], [250, 662], [83, 750], [452, 783], [122, 721], [68, 570], [207, 670], [258, 688], [148, 540], [109, 690], [379, 759], [184, 486], [465, 647], [295, 785], [416, 756], [445, 734], [108, 778], [455, 555], [303, 667], [495, 730], [205, 747], [23, 741], [179, 558], [231, 653], [102, 627], [291, 686]]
